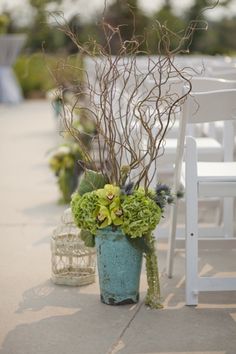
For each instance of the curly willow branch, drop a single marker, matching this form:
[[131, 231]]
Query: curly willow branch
[[133, 106]]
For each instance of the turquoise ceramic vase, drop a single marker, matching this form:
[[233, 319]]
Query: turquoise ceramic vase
[[119, 267]]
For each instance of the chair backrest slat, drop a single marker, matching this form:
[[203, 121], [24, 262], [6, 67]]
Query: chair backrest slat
[[203, 84], [212, 106]]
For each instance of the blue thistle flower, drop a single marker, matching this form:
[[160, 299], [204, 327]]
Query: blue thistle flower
[[127, 189], [163, 195]]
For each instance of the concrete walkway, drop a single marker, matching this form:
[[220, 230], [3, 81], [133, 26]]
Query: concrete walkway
[[38, 317]]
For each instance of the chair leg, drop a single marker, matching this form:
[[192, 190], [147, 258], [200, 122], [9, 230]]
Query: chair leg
[[228, 217], [171, 242], [191, 290], [191, 216], [228, 203]]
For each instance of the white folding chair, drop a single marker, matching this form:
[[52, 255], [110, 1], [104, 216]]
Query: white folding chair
[[209, 149], [211, 179], [227, 142]]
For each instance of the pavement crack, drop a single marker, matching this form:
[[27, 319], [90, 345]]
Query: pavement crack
[[118, 344]]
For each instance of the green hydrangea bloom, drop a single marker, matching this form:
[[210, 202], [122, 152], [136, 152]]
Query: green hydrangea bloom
[[84, 211], [141, 214]]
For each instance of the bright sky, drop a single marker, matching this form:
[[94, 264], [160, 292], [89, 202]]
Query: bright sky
[[89, 7]]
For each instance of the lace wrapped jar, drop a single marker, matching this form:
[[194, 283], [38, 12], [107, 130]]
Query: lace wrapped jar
[[72, 262]]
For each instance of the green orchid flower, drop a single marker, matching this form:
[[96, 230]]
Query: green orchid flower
[[116, 212], [108, 194], [103, 217], [116, 216]]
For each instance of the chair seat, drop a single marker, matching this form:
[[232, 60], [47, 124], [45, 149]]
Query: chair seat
[[217, 171], [214, 171], [209, 149], [215, 179]]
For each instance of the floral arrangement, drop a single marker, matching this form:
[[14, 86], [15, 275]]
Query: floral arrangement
[[134, 211], [133, 106], [63, 163], [67, 160]]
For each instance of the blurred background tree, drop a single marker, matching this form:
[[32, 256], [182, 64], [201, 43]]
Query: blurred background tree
[[165, 15], [126, 15], [206, 42], [42, 32]]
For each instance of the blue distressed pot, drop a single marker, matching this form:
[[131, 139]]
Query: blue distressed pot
[[119, 267]]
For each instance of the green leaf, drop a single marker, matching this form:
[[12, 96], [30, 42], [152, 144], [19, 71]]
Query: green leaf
[[88, 238], [90, 181], [140, 243]]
